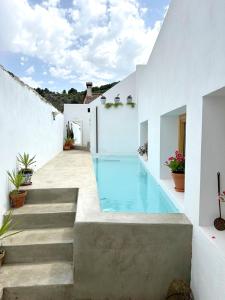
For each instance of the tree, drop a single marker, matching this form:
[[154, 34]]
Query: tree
[[72, 91]]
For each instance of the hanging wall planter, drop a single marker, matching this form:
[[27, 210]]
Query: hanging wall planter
[[103, 100], [117, 99], [129, 99]]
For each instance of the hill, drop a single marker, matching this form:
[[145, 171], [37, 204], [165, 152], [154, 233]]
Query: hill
[[72, 96]]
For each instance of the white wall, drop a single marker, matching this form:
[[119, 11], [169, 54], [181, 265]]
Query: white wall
[[78, 112], [26, 125], [117, 127], [187, 63], [117, 130]]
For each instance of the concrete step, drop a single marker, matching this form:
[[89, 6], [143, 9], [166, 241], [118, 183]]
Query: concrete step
[[37, 281], [39, 245], [34, 216], [56, 195]]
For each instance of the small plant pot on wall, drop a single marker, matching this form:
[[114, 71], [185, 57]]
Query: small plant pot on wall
[[129, 99], [179, 180], [103, 100], [117, 99]]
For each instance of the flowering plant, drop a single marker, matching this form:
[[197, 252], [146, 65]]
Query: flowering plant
[[143, 149], [176, 163], [222, 196]]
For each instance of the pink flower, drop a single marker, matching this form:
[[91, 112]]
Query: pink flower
[[171, 158]]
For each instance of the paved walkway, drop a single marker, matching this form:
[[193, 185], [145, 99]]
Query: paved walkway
[[68, 169]]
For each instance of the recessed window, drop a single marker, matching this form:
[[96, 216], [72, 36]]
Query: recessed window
[[89, 110]]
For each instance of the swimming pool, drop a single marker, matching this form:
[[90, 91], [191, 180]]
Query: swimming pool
[[124, 185]]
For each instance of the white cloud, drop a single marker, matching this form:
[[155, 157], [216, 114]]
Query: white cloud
[[51, 3], [31, 82], [98, 40], [23, 60], [30, 70]]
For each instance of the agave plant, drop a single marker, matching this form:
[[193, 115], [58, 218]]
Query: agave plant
[[6, 226], [26, 161], [16, 179]]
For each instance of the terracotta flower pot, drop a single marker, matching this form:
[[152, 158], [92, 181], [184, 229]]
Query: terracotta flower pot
[[17, 199], [2, 256], [66, 147], [178, 179]]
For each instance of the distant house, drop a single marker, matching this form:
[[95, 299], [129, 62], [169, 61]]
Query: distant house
[[90, 96]]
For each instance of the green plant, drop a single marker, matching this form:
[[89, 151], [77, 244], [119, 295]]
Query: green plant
[[108, 105], [16, 179], [117, 104], [68, 141], [6, 226], [26, 161], [176, 163], [69, 131], [131, 104]]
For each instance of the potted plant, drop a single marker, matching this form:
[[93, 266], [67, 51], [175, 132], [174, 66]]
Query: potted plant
[[117, 99], [67, 144], [26, 169], [17, 196], [177, 165], [129, 99], [6, 226], [143, 151], [103, 99], [70, 135]]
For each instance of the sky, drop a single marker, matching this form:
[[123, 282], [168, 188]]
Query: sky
[[59, 44]]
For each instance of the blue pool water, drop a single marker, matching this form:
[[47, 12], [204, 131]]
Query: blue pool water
[[124, 185]]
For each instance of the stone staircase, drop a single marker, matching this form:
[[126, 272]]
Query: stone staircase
[[39, 260]]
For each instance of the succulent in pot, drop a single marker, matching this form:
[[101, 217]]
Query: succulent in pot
[[17, 197], [103, 99], [117, 99], [6, 226], [176, 164], [67, 143], [26, 162]]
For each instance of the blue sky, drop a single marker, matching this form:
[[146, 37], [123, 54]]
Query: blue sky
[[62, 44]]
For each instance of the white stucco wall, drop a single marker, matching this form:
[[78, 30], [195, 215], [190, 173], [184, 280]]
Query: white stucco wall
[[78, 112], [117, 127], [26, 125], [186, 64]]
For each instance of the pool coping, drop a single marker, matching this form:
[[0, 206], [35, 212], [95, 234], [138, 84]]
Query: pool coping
[[88, 208]]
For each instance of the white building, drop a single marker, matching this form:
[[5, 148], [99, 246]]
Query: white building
[[181, 86]]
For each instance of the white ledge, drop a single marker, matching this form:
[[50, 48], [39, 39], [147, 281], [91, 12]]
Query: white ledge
[[176, 197]]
